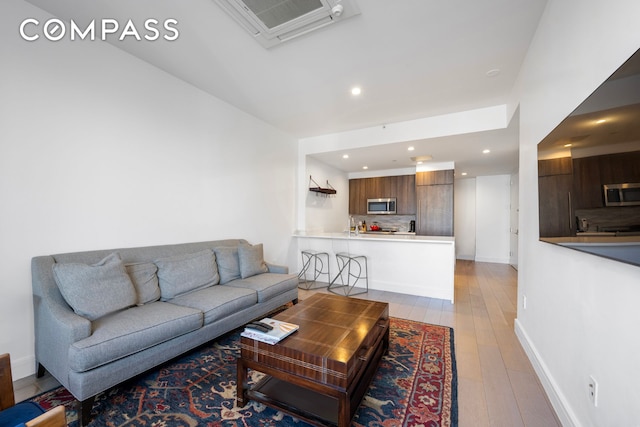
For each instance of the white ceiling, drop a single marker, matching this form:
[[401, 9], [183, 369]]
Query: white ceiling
[[412, 58]]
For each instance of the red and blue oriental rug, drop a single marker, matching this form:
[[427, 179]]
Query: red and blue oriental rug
[[415, 386]]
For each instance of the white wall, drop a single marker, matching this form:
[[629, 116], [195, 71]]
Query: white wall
[[326, 214], [582, 311], [464, 221], [101, 150]]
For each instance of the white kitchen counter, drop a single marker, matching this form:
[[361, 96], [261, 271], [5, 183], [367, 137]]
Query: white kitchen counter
[[404, 263]]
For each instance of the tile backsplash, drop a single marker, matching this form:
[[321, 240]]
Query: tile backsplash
[[607, 219], [398, 222]]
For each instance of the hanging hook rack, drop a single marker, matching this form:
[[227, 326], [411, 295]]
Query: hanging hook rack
[[328, 190]]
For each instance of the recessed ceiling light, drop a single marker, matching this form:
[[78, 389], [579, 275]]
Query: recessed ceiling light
[[601, 121], [365, 167], [345, 156], [568, 145], [493, 73], [356, 91], [419, 163], [486, 151], [463, 174], [411, 148]]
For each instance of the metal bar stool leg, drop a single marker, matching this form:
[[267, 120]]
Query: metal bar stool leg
[[345, 261], [310, 257]]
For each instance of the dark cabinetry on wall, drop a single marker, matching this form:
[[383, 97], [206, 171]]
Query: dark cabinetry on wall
[[357, 197], [434, 198], [404, 188], [591, 173], [555, 186], [566, 185], [401, 187]]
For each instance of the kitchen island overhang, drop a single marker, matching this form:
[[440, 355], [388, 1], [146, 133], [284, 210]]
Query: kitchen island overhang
[[403, 263]]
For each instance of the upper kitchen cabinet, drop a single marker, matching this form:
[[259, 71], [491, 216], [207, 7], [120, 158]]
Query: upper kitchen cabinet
[[400, 187], [434, 199], [378, 187], [357, 197], [435, 177], [404, 190]]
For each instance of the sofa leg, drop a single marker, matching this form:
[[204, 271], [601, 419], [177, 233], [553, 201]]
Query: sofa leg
[[84, 411], [295, 301], [40, 371]]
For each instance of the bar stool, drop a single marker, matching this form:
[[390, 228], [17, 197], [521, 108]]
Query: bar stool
[[352, 266], [319, 260]]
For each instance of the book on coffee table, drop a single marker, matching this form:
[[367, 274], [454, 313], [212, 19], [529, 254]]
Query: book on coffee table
[[280, 330]]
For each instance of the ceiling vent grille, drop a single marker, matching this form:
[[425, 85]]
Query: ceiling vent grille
[[272, 22]]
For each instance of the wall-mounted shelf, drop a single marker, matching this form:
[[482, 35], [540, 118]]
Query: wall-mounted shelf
[[315, 187]]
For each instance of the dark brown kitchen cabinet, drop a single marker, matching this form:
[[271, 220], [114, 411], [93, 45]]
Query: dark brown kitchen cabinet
[[555, 192], [404, 190], [357, 197], [378, 187], [400, 187], [434, 200], [435, 210], [556, 210], [561, 166], [435, 177]]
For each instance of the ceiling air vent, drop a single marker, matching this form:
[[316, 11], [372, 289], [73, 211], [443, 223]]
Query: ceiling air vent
[[272, 22]]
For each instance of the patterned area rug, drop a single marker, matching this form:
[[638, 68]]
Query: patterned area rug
[[415, 386]]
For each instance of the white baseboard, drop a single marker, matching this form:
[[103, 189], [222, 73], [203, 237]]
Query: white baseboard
[[558, 401], [495, 260], [23, 367], [466, 257]]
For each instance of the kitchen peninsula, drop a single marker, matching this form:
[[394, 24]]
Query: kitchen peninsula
[[404, 263]]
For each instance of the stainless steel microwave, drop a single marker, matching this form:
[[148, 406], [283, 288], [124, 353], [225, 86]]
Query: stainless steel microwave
[[381, 206], [627, 194]]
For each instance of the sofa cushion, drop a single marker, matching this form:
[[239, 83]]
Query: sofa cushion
[[132, 330], [95, 290], [228, 263], [181, 274], [267, 285], [145, 281], [218, 302], [251, 260]]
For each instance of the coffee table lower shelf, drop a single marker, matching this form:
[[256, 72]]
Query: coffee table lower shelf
[[311, 406], [314, 407]]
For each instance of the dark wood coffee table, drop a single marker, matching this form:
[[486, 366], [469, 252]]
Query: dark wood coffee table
[[321, 372]]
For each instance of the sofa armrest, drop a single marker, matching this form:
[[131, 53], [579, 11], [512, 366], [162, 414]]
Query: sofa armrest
[[274, 268], [57, 326]]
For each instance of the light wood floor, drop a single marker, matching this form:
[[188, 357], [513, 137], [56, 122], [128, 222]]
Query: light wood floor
[[496, 383]]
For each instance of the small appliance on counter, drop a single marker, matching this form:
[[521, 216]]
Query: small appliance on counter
[[412, 226]]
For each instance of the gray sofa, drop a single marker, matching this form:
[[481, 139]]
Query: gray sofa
[[102, 317]]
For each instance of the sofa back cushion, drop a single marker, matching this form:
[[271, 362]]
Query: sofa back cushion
[[97, 289], [251, 260], [180, 274], [145, 281], [228, 263]]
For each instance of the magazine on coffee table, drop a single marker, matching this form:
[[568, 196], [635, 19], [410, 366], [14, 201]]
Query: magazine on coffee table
[[280, 330]]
